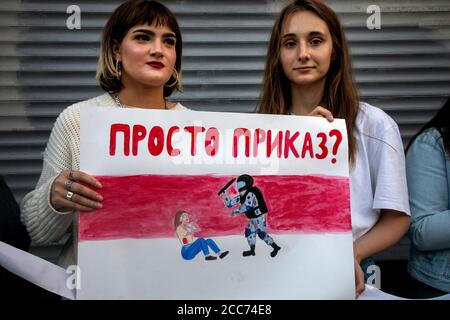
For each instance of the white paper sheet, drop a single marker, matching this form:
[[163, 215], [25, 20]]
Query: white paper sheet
[[372, 293], [36, 270], [53, 278], [130, 249]]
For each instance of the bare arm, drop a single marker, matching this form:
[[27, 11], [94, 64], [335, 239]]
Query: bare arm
[[191, 227], [389, 229]]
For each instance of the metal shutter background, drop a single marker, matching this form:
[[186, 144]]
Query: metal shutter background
[[404, 68]]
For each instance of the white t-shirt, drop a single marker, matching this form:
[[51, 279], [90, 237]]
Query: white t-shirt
[[378, 177]]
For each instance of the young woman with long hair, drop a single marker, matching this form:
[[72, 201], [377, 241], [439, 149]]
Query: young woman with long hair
[[308, 72]]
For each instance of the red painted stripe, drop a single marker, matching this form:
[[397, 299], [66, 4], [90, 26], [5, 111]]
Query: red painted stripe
[[144, 206]]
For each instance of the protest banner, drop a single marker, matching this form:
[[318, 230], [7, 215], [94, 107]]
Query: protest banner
[[204, 205]]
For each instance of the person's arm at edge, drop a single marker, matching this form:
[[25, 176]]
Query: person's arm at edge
[[389, 229]]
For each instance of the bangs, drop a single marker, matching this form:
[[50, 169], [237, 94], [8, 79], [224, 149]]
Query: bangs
[[146, 13], [128, 15]]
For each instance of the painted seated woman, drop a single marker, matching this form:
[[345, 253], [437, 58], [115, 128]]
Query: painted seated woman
[[185, 230]]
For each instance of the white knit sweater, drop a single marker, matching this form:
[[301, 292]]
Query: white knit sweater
[[45, 224]]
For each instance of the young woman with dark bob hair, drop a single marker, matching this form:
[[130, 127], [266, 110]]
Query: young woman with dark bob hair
[[139, 67], [308, 72]]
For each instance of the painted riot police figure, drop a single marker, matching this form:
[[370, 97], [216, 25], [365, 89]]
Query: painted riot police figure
[[252, 203]]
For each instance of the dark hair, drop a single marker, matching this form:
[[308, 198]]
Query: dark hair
[[340, 94], [441, 122], [125, 17], [12, 231]]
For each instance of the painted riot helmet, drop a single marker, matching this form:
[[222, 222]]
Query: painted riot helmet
[[244, 182]]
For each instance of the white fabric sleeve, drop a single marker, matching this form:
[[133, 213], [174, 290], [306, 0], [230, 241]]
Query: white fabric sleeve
[[43, 222], [389, 173]]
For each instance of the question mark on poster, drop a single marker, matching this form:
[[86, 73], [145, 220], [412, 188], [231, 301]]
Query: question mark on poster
[[335, 133]]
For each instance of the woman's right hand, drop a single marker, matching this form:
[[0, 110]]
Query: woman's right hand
[[322, 112], [70, 191]]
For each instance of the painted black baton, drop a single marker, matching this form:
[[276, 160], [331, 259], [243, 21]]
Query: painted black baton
[[225, 187]]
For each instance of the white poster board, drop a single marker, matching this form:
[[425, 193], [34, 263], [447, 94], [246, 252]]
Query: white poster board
[[164, 213]]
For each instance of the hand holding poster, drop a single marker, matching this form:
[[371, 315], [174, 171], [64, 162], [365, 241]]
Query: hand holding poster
[[201, 205]]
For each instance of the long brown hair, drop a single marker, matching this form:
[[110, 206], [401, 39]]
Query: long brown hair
[[177, 218], [340, 94], [129, 14]]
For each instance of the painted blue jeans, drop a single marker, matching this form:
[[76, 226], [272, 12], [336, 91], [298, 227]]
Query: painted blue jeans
[[189, 251]]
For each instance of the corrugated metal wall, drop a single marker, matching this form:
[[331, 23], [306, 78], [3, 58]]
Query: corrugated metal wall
[[403, 68]]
